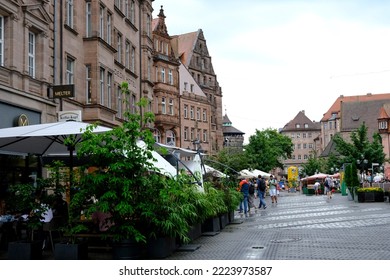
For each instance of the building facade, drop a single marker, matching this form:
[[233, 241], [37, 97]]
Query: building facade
[[303, 133]]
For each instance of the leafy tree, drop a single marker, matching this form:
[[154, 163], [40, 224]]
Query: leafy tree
[[229, 161], [267, 149], [314, 164], [360, 147]]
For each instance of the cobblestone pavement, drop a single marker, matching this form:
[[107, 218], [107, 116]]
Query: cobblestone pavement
[[301, 227]]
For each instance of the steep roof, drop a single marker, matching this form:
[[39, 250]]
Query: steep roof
[[353, 114], [185, 44], [302, 120], [228, 128], [336, 107]]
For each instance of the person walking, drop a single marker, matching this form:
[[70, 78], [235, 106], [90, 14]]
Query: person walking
[[316, 187], [261, 187], [244, 188], [328, 186], [272, 189], [251, 197]]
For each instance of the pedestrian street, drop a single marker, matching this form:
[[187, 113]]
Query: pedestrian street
[[301, 227]]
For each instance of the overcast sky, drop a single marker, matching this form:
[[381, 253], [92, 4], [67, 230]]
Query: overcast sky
[[274, 58]]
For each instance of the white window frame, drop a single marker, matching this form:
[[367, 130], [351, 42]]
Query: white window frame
[[88, 19], [88, 84], [31, 53], [163, 105], [69, 79], [192, 132], [133, 103], [162, 75], [109, 90], [119, 102], [185, 111], [204, 115], [132, 11], [132, 67], [192, 114], [171, 107], [109, 19], [119, 47], [186, 133], [69, 13], [170, 77], [101, 22], [198, 114], [102, 73], [2, 41], [127, 54], [204, 135]]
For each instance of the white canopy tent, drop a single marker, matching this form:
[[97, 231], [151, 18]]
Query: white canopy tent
[[263, 174], [245, 173]]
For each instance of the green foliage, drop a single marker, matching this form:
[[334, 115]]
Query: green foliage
[[351, 178], [360, 147], [314, 164], [267, 149]]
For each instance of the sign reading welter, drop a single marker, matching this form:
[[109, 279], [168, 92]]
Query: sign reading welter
[[63, 91]]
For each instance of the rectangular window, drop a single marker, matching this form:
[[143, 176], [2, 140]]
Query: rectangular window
[[198, 134], [119, 48], [118, 4], [149, 68], [204, 115], [132, 11], [171, 111], [132, 67], [109, 90], [88, 19], [133, 104], [119, 102], [69, 70], [170, 77], [108, 38], [185, 86], [163, 106], [192, 88], [185, 111], [127, 54], [126, 8], [156, 75], [382, 125], [163, 75], [88, 84], [1, 41], [204, 135], [69, 13], [198, 114], [192, 116], [31, 54], [102, 86], [148, 24], [185, 133], [192, 134], [101, 22]]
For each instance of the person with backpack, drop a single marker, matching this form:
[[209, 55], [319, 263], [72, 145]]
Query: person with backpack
[[328, 187], [251, 197], [261, 188]]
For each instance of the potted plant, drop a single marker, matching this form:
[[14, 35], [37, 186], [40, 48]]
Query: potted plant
[[23, 201], [372, 194], [216, 199], [121, 179]]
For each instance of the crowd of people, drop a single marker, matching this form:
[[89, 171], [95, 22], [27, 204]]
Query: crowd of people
[[256, 188]]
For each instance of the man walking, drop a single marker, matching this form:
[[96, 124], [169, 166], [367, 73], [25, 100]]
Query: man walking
[[244, 188], [261, 191], [272, 189]]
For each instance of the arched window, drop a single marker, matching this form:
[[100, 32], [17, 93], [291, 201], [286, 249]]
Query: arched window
[[157, 135], [170, 138]]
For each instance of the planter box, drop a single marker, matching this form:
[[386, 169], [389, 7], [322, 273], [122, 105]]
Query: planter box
[[23, 250], [195, 232], [65, 251], [127, 250], [160, 247], [371, 197], [231, 217], [223, 220], [211, 224]]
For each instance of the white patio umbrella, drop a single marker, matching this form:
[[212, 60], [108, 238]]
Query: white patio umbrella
[[245, 173], [45, 139]]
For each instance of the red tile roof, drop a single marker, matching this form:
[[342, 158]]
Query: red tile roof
[[335, 108]]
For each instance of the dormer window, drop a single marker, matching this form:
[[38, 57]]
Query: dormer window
[[382, 124], [297, 125]]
